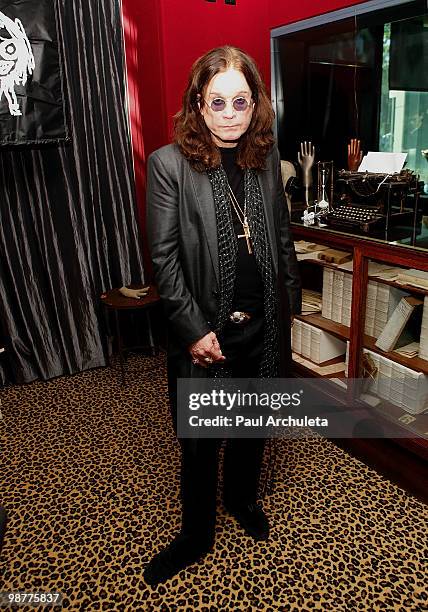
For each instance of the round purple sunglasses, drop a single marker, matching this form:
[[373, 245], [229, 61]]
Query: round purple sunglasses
[[240, 104]]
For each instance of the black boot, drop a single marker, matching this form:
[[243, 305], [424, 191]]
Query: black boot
[[252, 519], [183, 551]]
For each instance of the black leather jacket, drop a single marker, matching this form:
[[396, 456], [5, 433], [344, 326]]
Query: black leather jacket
[[182, 235]]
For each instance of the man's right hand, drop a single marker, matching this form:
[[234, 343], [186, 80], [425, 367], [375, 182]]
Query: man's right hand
[[206, 351]]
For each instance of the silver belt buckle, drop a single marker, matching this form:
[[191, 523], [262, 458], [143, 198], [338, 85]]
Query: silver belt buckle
[[239, 318]]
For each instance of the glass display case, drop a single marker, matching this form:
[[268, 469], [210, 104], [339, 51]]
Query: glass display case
[[344, 84]]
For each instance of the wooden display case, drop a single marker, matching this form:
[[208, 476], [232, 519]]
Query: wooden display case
[[363, 250]]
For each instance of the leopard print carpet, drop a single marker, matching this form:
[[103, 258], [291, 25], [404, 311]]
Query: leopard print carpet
[[89, 477]]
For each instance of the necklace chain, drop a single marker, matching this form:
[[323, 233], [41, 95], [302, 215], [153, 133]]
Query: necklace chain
[[243, 221], [237, 207]]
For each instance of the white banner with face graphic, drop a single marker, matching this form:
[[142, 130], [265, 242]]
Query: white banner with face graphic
[[31, 75]]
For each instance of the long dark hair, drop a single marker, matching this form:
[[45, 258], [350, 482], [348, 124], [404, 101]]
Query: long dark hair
[[190, 131]]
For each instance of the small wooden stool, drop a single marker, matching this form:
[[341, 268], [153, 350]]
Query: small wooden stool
[[114, 301]]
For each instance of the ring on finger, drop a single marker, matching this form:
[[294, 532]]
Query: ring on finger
[[208, 360]]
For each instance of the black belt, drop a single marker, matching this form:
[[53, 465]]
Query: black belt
[[239, 318]]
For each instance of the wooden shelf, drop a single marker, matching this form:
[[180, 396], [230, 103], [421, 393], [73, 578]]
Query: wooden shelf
[[336, 329], [409, 288], [318, 262], [414, 363], [324, 264], [343, 332], [384, 281], [373, 248], [302, 368]]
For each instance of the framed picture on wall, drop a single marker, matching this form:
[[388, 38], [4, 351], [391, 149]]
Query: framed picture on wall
[[31, 74]]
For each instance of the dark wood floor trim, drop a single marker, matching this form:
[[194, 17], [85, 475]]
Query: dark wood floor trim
[[390, 459]]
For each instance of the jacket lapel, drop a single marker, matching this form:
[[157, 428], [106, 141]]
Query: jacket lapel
[[205, 199], [267, 189]]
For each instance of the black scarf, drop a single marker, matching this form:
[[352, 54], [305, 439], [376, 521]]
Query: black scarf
[[227, 252]]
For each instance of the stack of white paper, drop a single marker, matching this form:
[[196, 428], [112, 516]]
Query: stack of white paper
[[337, 295], [347, 300], [315, 344], [381, 299], [381, 302], [327, 292], [391, 332], [296, 337], [399, 385], [337, 298], [388, 163], [423, 342]]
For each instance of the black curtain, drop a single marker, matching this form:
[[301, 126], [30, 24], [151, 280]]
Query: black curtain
[[68, 214]]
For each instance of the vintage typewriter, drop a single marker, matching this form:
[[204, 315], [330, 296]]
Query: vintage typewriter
[[374, 203], [362, 218]]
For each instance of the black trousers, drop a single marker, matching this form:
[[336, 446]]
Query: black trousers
[[243, 347]]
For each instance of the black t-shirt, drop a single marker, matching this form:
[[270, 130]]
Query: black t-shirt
[[248, 283]]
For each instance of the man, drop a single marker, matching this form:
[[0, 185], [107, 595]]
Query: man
[[226, 271]]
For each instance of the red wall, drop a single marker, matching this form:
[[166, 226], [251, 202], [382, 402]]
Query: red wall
[[164, 37], [171, 34], [190, 29]]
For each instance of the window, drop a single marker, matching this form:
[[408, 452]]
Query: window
[[404, 112], [355, 73]]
